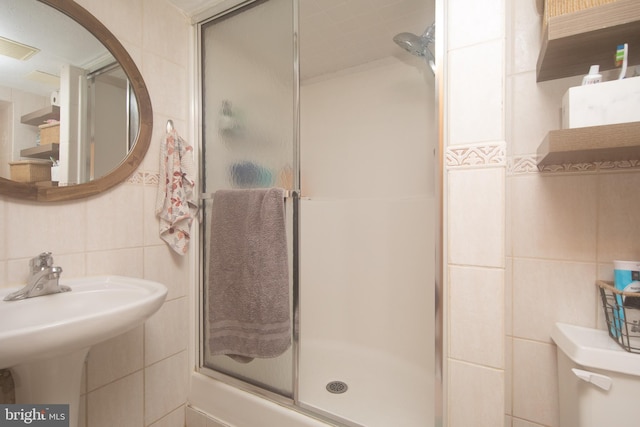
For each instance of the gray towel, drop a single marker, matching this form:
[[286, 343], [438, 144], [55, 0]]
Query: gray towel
[[248, 291]]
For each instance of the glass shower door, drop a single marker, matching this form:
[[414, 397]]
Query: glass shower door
[[249, 116]]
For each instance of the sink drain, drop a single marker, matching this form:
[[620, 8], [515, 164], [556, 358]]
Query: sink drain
[[337, 387]]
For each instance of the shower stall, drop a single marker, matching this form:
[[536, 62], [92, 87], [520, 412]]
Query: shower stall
[[355, 150]]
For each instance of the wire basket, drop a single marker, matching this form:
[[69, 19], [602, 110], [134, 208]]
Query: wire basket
[[622, 313]]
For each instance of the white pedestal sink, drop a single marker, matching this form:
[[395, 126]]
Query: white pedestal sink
[[45, 340]]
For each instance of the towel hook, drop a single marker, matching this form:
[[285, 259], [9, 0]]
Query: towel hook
[[169, 125]]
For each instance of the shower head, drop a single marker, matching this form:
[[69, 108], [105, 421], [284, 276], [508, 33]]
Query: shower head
[[419, 45]]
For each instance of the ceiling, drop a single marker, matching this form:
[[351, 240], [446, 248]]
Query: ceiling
[[338, 34]]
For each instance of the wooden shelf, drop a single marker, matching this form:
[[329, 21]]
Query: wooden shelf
[[575, 41], [41, 116], [591, 144], [42, 151]]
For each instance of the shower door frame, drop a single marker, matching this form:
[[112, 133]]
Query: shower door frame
[[440, 404], [224, 9]]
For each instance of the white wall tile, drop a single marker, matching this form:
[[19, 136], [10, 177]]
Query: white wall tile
[[116, 219], [173, 419], [546, 292], [151, 222], [477, 315], [165, 386], [73, 265], [135, 52], [540, 100], [125, 26], [163, 265], [168, 85], [476, 217], [17, 271], [525, 36], [554, 217], [473, 22], [165, 19], [476, 93], [523, 423], [195, 418], [618, 225], [199, 419], [535, 382], [4, 282], [476, 395], [3, 229], [151, 162], [508, 376], [83, 381], [213, 423], [33, 228], [508, 216], [508, 298], [167, 331], [122, 262], [509, 126], [117, 404], [115, 358], [82, 412]]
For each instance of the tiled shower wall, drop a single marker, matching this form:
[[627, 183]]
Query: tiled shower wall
[[139, 378]]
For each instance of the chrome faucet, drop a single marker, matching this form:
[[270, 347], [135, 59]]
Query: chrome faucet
[[43, 279]]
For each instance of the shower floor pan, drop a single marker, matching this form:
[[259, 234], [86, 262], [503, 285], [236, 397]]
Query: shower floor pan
[[381, 390]]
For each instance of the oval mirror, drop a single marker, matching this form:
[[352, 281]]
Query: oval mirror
[[75, 114]]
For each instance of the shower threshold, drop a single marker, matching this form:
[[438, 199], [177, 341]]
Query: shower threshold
[[236, 402]]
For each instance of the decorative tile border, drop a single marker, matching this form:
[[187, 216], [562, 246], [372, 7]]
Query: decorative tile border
[[620, 165], [144, 178], [570, 167], [528, 164], [136, 178], [476, 155], [521, 164], [151, 178]]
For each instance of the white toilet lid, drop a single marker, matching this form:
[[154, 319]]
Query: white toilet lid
[[594, 348]]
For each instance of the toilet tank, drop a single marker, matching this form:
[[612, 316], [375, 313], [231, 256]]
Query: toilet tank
[[599, 382]]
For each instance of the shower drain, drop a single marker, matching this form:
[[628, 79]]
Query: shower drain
[[337, 387]]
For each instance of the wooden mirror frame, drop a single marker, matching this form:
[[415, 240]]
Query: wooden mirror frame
[[29, 191]]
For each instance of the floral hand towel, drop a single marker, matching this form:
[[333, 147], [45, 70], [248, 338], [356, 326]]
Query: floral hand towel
[[175, 205]]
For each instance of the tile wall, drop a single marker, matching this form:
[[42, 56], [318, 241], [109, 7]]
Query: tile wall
[[524, 247], [475, 176], [565, 226], [139, 378]]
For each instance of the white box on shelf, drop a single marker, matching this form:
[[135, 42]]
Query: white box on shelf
[[55, 173], [606, 103]]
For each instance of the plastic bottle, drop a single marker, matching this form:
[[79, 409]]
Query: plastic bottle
[[593, 77]]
